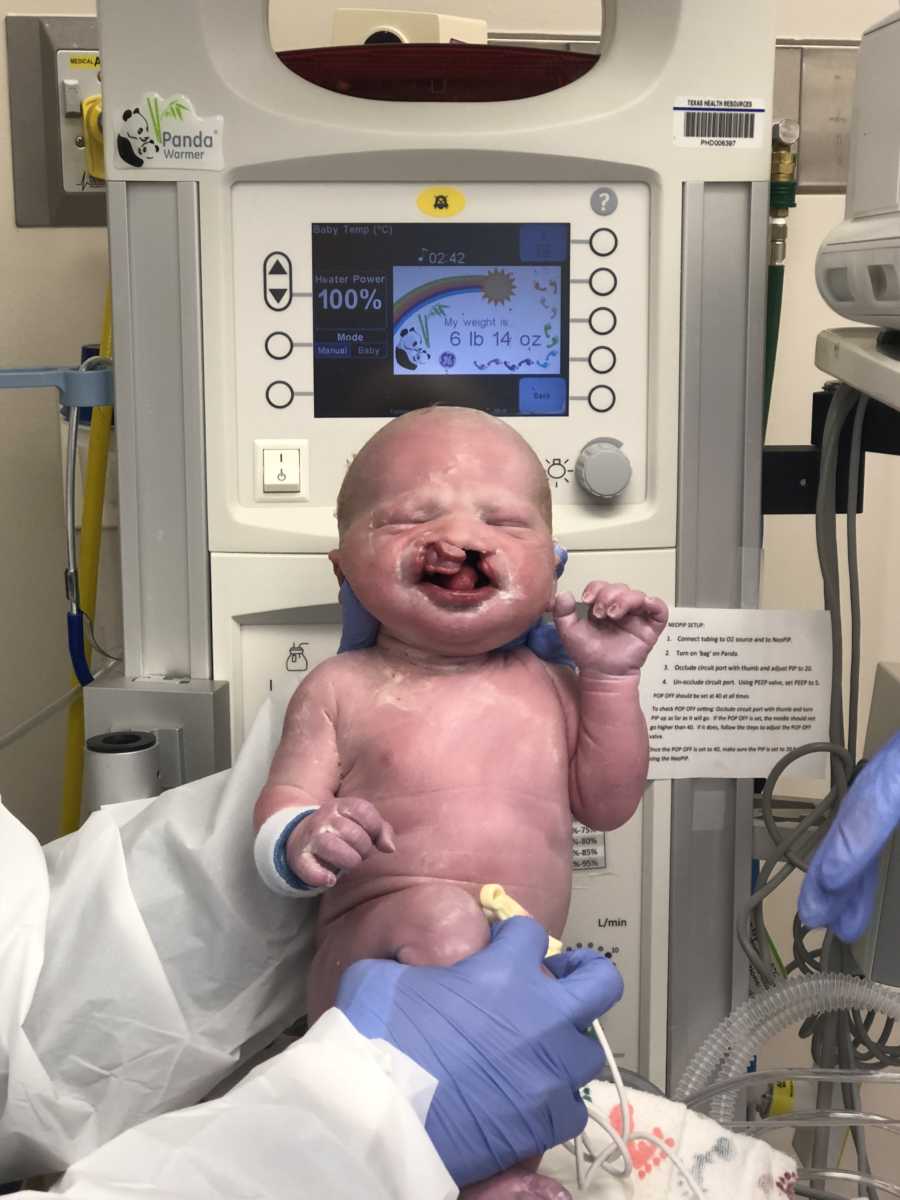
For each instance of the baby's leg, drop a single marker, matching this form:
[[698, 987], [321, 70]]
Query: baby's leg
[[427, 924]]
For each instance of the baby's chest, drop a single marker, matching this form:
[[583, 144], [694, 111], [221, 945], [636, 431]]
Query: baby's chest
[[430, 738]]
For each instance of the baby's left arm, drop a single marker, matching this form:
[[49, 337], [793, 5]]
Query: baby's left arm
[[609, 646]]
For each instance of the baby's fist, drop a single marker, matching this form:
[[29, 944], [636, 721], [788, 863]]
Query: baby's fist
[[619, 631], [337, 837]]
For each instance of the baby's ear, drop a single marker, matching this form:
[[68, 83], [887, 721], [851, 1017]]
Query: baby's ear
[[334, 557]]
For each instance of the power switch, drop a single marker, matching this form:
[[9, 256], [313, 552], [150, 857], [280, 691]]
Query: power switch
[[281, 470]]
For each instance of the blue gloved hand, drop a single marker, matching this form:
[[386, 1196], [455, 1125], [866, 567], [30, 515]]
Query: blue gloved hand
[[842, 880], [504, 1040], [359, 629]]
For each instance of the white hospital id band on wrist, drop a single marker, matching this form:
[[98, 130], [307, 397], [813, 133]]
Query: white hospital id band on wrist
[[269, 852]]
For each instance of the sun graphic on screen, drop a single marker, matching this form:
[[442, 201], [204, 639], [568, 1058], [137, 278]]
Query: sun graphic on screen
[[498, 287]]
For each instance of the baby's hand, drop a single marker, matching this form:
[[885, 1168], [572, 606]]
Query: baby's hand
[[337, 837], [619, 631]]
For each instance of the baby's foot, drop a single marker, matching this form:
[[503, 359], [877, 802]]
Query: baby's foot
[[518, 1183]]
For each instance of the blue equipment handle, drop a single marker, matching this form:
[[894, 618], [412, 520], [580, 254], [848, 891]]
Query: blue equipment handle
[[75, 627], [77, 389]]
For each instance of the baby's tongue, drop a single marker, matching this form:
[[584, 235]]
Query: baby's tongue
[[463, 581]]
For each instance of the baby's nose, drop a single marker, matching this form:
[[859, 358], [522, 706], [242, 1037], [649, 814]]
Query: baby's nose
[[463, 531]]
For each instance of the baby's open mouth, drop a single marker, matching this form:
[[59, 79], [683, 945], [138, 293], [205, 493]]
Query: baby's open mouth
[[468, 576]]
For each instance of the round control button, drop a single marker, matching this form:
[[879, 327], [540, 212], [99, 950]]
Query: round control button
[[602, 320], [601, 398], [603, 469], [279, 394], [602, 360], [603, 242], [279, 345], [603, 281]]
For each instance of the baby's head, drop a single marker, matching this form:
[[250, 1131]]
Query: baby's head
[[442, 441], [444, 520]]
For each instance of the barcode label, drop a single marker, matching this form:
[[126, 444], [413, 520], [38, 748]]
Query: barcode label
[[719, 124], [725, 122]]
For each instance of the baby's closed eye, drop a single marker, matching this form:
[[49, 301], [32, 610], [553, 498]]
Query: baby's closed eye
[[401, 519], [509, 515]]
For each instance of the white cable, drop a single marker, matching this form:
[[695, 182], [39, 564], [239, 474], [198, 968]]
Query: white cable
[[93, 639], [619, 1147], [618, 1150]]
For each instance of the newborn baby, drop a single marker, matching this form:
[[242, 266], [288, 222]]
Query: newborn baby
[[412, 773]]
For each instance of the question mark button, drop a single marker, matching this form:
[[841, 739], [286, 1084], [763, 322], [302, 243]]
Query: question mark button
[[604, 201]]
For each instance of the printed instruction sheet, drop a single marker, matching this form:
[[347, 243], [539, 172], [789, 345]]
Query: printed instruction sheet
[[727, 692]]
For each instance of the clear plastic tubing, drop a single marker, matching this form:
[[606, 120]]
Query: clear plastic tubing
[[727, 1052]]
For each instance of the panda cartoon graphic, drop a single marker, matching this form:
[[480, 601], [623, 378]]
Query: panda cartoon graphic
[[409, 351], [134, 143]]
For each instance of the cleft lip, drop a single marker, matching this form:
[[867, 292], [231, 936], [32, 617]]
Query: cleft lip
[[487, 565], [475, 560], [483, 562], [440, 575]]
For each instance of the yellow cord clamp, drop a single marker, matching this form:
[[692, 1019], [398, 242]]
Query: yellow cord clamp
[[497, 906], [92, 123]]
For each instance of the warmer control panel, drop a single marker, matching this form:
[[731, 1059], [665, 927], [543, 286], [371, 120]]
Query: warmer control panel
[[355, 304]]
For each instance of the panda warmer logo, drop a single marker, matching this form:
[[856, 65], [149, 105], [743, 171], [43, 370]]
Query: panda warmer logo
[[133, 141], [163, 134]]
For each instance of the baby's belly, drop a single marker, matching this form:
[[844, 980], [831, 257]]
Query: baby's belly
[[457, 836]]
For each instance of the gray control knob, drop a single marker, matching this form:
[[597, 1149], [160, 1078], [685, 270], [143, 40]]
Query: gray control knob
[[603, 469]]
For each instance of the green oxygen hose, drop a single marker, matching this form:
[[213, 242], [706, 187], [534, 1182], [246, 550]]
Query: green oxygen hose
[[774, 294]]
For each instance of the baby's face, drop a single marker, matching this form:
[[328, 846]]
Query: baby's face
[[450, 550]]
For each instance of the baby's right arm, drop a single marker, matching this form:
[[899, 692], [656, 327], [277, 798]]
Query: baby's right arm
[[305, 834]]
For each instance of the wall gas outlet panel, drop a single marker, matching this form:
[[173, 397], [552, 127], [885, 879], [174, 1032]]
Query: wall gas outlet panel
[[54, 64]]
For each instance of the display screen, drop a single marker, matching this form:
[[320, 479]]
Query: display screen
[[410, 315]]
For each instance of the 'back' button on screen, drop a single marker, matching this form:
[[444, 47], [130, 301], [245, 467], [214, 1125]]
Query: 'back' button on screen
[[542, 397]]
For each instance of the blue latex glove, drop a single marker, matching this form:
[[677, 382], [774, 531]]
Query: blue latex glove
[[503, 1039], [359, 629], [840, 885]]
